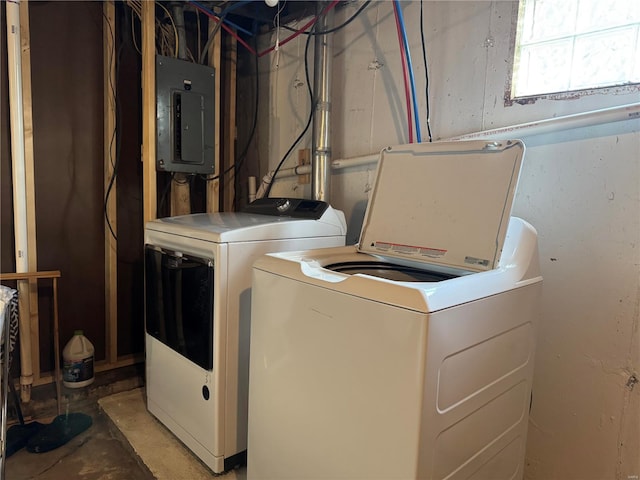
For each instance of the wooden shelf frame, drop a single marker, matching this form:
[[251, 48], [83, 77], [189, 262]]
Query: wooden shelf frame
[[54, 275]]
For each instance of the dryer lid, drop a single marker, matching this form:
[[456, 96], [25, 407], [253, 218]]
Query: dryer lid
[[443, 203]]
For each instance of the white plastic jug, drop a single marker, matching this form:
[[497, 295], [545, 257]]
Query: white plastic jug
[[77, 370]]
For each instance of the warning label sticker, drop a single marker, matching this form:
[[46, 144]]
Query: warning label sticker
[[483, 262], [413, 250]]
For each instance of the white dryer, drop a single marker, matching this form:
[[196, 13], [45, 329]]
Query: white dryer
[[411, 355], [197, 314]]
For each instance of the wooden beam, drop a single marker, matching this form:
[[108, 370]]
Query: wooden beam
[[180, 194], [123, 361], [214, 56], [56, 343], [29, 275], [110, 141], [55, 377], [99, 366], [149, 186], [27, 112], [180, 187], [231, 61]]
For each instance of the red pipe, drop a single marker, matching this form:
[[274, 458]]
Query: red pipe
[[405, 73], [301, 30]]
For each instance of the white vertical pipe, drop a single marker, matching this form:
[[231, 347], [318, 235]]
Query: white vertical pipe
[[17, 134], [14, 68], [252, 188]]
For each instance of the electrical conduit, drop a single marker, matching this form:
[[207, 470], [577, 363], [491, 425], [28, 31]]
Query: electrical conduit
[[321, 143]]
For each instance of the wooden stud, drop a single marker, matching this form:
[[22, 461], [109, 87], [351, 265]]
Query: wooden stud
[[180, 186], [29, 289], [214, 55], [110, 140], [149, 186], [27, 112], [230, 60], [180, 194], [56, 342]]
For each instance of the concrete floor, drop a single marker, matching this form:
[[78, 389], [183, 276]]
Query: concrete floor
[[161, 452], [99, 453], [125, 442]]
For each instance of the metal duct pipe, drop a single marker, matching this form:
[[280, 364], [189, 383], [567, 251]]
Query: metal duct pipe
[[180, 189], [321, 144], [178, 16]]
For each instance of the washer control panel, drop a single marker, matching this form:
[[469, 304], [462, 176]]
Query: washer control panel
[[288, 207]]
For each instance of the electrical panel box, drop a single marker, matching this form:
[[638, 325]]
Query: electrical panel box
[[185, 121]]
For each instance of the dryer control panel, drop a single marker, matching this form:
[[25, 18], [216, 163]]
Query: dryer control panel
[[288, 207]]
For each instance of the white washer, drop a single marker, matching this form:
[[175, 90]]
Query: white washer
[[411, 355], [197, 315]]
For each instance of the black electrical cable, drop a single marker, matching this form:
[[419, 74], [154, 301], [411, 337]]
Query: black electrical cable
[[163, 197], [192, 198], [334, 29], [114, 137], [207, 45], [242, 156], [311, 110], [309, 34], [426, 71], [240, 159], [187, 181]]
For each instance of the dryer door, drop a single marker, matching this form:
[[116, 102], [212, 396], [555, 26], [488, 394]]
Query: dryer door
[[179, 303]]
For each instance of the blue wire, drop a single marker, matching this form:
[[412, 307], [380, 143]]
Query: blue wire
[[416, 115], [222, 19], [234, 6]]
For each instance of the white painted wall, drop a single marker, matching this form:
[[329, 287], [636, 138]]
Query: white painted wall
[[580, 188]]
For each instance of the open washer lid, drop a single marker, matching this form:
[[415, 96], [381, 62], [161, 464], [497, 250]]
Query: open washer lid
[[443, 203]]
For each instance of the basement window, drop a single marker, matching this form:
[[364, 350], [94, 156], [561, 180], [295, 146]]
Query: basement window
[[571, 45]]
